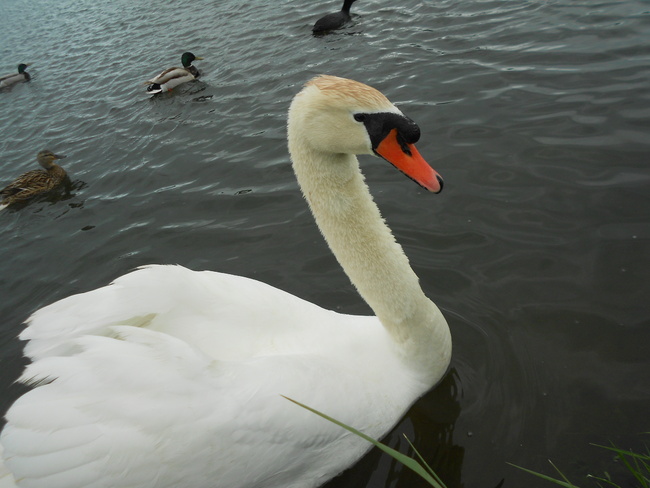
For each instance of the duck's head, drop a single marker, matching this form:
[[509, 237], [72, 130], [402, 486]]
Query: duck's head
[[337, 115], [187, 59], [22, 67], [46, 158]]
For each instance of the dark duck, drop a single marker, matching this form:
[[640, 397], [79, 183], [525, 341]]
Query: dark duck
[[333, 21]]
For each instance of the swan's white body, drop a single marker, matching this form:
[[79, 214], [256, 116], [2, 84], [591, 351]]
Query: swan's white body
[[170, 377]]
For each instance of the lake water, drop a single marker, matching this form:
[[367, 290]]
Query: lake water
[[536, 113]]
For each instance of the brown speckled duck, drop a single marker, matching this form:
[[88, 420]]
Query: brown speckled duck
[[34, 182]]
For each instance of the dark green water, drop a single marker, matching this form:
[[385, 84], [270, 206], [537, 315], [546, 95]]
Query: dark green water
[[536, 113]]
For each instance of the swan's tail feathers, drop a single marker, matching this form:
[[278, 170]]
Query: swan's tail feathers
[[6, 478]]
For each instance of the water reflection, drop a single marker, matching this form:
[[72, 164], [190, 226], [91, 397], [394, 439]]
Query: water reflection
[[430, 426]]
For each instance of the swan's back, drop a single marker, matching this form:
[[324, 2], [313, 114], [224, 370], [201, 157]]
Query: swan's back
[[226, 317], [133, 394]]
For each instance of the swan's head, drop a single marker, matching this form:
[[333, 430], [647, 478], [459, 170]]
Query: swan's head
[[46, 158], [336, 115]]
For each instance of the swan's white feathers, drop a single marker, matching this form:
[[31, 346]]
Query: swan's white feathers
[[108, 409], [325, 110], [93, 384], [214, 309], [349, 94], [170, 377], [155, 297]]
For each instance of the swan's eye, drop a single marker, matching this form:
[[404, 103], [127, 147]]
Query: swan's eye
[[359, 117]]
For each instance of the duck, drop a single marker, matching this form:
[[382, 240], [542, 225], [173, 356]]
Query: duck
[[173, 377], [22, 75], [35, 182], [334, 21], [172, 77]]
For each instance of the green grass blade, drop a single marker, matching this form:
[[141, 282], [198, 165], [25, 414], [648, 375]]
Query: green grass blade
[[402, 458], [566, 480], [638, 459], [606, 480], [645, 457], [429, 468], [566, 483], [638, 466]]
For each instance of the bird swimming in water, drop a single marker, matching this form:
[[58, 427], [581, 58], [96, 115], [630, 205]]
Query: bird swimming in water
[[13, 78], [174, 378], [172, 77], [333, 21], [35, 182]]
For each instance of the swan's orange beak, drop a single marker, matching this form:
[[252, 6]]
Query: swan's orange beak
[[407, 159]]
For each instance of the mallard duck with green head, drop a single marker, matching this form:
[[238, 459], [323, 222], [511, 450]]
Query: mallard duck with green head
[[172, 77], [35, 182], [22, 75]]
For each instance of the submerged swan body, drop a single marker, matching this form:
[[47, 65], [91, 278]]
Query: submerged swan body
[[35, 182], [170, 377]]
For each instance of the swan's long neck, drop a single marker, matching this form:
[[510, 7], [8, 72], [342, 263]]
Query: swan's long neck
[[366, 249]]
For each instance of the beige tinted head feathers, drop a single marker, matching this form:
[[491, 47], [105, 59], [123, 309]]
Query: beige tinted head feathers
[[339, 118], [350, 93]]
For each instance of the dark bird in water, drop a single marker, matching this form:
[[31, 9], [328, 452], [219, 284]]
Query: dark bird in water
[[333, 21], [22, 75], [172, 77], [34, 182]]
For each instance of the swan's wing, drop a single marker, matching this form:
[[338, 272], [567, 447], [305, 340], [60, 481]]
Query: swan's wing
[[226, 316], [6, 478], [129, 391], [143, 407], [115, 410]]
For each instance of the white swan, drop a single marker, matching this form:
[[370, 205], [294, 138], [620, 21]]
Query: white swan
[[173, 378]]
